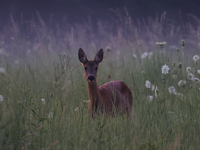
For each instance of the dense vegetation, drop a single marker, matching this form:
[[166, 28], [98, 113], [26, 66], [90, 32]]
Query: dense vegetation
[[43, 94]]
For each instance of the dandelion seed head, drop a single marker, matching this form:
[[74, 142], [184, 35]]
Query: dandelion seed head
[[188, 69], [172, 90], [165, 69], [43, 100], [190, 76], [144, 55], [76, 109], [181, 82], [150, 98], [153, 87], [197, 80], [148, 84], [195, 58], [108, 49], [198, 71], [2, 70]]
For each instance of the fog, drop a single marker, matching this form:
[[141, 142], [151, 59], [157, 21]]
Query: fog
[[27, 26], [79, 10]]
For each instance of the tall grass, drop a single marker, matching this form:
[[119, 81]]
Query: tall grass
[[44, 95]]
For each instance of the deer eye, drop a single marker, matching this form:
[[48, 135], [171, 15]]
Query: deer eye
[[85, 68], [96, 68]]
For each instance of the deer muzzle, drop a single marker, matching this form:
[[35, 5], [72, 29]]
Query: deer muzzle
[[91, 78]]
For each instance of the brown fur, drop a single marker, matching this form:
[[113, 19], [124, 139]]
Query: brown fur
[[112, 98]]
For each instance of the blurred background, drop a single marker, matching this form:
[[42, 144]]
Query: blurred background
[[57, 25], [79, 10]]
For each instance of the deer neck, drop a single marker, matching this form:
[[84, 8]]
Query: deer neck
[[94, 93]]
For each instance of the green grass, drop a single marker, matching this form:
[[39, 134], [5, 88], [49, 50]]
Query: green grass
[[34, 70], [168, 122]]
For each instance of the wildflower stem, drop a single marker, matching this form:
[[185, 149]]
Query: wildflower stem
[[9, 78]]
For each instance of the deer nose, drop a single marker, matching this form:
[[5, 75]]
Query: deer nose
[[91, 78]]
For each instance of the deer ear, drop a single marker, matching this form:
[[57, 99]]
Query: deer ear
[[99, 56], [82, 57]]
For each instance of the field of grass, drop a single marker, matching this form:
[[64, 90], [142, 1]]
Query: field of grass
[[43, 94]]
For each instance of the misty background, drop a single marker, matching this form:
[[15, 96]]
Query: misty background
[[79, 10], [93, 24]]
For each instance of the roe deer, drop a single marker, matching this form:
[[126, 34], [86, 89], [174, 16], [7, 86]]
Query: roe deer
[[111, 98]]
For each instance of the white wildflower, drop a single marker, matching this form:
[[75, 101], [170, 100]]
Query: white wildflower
[[153, 87], [148, 84], [43, 100], [197, 80], [156, 92], [198, 71], [86, 101], [135, 56], [2, 70], [144, 55], [181, 82], [76, 109], [195, 57], [150, 98], [188, 69], [172, 90], [161, 43], [190, 76], [165, 69], [1, 98]]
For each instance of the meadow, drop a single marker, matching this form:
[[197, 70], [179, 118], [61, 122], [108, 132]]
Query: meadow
[[43, 93]]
